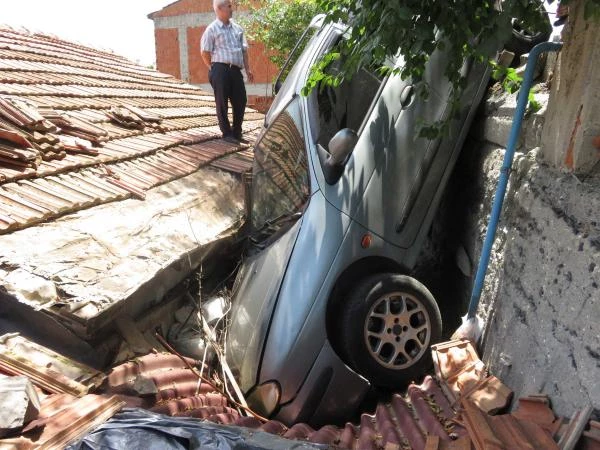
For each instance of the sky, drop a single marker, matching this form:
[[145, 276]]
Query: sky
[[121, 26]]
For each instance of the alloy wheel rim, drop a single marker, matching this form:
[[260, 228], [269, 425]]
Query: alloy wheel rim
[[397, 330]]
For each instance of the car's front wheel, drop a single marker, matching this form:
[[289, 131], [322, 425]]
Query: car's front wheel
[[386, 328]]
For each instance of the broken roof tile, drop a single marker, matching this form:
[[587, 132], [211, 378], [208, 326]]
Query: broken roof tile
[[402, 423], [536, 408], [574, 429], [46, 368], [591, 437], [503, 432], [64, 419]]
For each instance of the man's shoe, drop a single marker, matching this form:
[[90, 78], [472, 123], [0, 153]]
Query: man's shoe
[[241, 139], [231, 140]]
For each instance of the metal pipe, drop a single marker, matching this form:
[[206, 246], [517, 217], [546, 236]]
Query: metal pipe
[[505, 171]]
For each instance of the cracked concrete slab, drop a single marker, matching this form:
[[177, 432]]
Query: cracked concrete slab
[[83, 267]]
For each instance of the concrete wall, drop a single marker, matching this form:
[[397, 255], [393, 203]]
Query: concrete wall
[[544, 329], [574, 109], [541, 299]]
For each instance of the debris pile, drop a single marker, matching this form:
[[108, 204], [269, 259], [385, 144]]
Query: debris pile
[[455, 410]]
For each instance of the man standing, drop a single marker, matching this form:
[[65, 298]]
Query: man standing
[[225, 52]]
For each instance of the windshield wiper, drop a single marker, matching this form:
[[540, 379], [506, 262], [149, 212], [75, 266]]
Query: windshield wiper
[[272, 225]]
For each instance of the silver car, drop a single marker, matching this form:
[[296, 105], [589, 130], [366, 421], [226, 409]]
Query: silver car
[[343, 195]]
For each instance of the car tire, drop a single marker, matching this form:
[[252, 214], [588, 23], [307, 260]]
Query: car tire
[[523, 39], [386, 328]]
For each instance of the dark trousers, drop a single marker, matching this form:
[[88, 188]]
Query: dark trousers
[[228, 85]]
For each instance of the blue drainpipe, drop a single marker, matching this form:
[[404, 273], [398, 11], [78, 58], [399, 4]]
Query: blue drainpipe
[[505, 171]]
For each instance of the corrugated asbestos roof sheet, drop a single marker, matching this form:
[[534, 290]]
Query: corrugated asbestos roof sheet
[[80, 127]]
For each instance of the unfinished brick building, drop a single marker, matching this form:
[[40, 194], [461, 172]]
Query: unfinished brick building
[[177, 31]]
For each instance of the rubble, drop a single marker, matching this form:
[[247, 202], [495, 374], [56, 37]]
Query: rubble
[[463, 375], [46, 368], [63, 419], [440, 413], [19, 403]]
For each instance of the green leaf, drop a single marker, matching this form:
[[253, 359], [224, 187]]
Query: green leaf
[[533, 105], [382, 28]]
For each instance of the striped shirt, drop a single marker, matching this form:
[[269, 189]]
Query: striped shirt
[[226, 43]]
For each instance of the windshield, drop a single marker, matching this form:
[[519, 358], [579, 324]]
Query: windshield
[[307, 36], [294, 68], [280, 183]]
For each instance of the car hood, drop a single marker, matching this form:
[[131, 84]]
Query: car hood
[[255, 295]]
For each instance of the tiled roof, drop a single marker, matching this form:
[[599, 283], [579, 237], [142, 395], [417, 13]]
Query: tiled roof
[[81, 127], [403, 422], [422, 418]]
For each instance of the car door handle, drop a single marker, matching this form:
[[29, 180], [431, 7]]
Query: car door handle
[[406, 96]]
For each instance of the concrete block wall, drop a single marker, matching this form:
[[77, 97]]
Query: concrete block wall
[[541, 300]]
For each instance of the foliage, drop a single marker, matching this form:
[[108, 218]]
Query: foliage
[[417, 28], [278, 24], [511, 82], [378, 28]]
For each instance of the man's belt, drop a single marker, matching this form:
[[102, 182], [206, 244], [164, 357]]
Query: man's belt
[[230, 65]]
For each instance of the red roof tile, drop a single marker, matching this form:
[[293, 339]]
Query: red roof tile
[[63, 419], [403, 422], [134, 120]]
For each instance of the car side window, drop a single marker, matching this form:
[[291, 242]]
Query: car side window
[[346, 105]]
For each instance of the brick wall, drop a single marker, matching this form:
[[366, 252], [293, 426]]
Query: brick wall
[[167, 51], [198, 70], [264, 70], [260, 103]]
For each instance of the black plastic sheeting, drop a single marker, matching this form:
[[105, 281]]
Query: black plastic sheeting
[[138, 429]]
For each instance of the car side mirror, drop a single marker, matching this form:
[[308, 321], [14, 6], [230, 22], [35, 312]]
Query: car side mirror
[[340, 147], [277, 86]]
